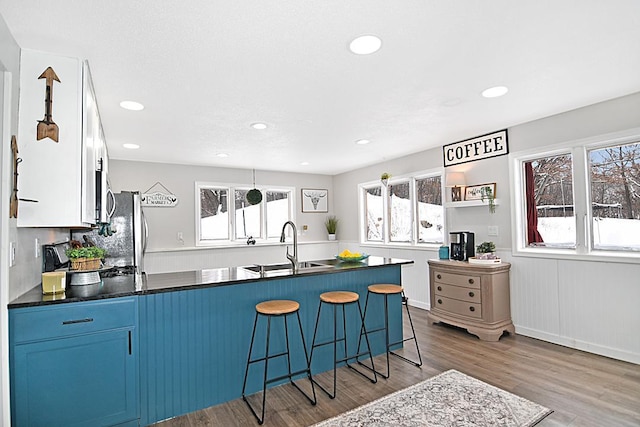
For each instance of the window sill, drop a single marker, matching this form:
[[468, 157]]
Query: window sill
[[568, 254], [237, 245], [408, 246]]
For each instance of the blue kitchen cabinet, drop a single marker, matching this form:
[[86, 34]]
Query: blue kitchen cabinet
[[75, 364]]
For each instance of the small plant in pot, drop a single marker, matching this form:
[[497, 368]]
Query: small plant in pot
[[331, 224], [84, 257], [486, 250]]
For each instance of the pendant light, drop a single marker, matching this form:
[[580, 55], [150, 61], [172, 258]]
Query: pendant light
[[254, 196]]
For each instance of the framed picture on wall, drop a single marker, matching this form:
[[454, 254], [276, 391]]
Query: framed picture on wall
[[315, 200], [476, 192]]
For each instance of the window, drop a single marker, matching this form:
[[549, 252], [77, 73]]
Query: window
[[430, 211], [614, 174], [218, 219], [408, 210], [583, 198], [549, 198], [400, 209], [374, 210]]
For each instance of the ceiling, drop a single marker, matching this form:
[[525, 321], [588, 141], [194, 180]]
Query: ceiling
[[206, 70]]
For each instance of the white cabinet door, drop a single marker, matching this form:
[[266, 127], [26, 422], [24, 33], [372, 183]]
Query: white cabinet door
[[58, 176]]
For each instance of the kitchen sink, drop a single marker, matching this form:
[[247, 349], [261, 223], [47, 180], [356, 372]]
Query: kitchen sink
[[284, 267]]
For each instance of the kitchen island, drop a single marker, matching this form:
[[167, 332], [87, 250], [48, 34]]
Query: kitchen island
[[189, 334]]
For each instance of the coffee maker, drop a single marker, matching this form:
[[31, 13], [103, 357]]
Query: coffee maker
[[462, 245]]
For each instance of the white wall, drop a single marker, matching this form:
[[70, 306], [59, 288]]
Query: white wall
[[582, 304]]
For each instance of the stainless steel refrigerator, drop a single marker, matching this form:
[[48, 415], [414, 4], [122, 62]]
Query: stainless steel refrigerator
[[124, 237]]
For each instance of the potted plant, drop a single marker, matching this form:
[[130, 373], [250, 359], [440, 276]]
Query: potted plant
[[486, 250], [331, 224], [384, 178], [487, 193], [84, 257]]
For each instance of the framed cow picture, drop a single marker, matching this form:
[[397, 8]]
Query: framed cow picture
[[315, 200]]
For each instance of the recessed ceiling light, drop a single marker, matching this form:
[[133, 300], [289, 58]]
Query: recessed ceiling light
[[365, 45], [222, 155], [362, 141], [132, 105], [259, 126], [304, 163], [494, 92], [131, 146]]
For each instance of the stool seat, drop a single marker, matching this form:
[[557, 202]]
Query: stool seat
[[339, 297], [385, 289], [277, 307]]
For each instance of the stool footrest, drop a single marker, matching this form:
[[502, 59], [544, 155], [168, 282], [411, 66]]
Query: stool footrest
[[302, 371], [262, 359]]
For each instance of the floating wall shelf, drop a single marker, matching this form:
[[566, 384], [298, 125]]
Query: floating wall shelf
[[470, 203]]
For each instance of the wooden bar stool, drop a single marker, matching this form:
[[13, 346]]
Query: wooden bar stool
[[270, 309], [335, 299], [386, 290]]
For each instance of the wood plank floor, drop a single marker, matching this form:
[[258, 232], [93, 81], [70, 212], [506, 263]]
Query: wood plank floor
[[582, 389]]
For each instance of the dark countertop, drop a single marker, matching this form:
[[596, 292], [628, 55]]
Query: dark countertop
[[141, 284]]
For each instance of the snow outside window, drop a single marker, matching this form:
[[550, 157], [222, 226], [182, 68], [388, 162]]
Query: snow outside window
[[614, 174]]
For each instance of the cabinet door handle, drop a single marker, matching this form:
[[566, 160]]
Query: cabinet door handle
[[439, 288], [471, 294], [129, 342], [472, 308], [439, 276], [439, 301], [471, 281], [71, 322]]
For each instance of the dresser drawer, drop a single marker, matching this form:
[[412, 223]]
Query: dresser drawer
[[458, 292], [455, 306], [60, 320], [458, 279]]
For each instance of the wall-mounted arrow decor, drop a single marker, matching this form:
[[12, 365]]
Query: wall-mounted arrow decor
[[46, 127]]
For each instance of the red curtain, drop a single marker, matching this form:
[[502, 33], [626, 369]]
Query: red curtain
[[533, 236]]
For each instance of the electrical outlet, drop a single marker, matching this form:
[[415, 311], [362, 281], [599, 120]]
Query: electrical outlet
[[37, 248], [492, 230], [12, 254]]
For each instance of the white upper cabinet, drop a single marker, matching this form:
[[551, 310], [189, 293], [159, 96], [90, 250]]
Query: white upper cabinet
[[57, 102]]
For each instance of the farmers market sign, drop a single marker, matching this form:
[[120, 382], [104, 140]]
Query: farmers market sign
[[158, 199], [482, 147]]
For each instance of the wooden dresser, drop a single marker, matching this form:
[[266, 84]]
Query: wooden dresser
[[471, 296]]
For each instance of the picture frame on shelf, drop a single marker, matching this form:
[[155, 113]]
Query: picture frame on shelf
[[480, 192], [315, 200]]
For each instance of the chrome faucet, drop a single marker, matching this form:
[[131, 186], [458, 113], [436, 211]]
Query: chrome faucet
[[293, 258]]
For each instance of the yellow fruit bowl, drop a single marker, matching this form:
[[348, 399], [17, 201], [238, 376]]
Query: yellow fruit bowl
[[352, 258]]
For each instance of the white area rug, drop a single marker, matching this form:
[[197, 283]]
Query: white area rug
[[449, 399]]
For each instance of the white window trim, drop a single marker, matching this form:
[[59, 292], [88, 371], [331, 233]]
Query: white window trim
[[580, 175], [231, 187], [386, 242]]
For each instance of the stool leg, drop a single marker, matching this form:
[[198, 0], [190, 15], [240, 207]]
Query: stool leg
[[405, 302], [246, 372], [266, 366], [308, 370], [314, 345]]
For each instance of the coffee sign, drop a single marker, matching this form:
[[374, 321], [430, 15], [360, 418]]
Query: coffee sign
[[482, 147]]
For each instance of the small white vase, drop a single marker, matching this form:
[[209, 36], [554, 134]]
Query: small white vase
[[332, 237]]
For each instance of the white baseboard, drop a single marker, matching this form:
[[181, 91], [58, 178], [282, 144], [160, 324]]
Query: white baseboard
[[579, 345]]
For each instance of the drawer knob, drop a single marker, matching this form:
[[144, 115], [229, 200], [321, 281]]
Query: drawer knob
[[471, 281], [439, 301], [472, 308], [472, 294], [439, 288], [439, 276]]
